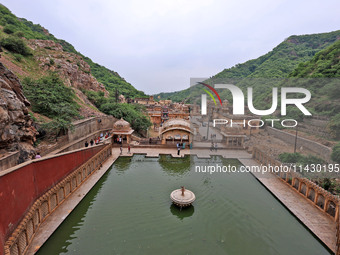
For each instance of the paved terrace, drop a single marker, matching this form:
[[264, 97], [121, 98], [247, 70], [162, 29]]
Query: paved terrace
[[318, 222]]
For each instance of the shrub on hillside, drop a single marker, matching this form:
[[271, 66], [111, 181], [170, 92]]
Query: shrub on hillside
[[17, 57], [16, 45], [336, 153], [50, 97], [19, 34], [334, 126], [290, 157], [9, 29], [298, 158]]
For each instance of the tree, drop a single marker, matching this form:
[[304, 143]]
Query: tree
[[134, 114]]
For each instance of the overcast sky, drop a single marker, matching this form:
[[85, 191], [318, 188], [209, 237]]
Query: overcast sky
[[159, 45]]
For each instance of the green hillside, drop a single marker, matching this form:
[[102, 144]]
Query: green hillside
[[14, 27], [324, 84], [278, 63], [320, 76], [325, 63], [58, 81]]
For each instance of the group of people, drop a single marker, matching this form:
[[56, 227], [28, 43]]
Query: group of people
[[119, 140], [98, 139]]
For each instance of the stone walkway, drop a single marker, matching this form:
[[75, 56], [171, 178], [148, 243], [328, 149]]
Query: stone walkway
[[201, 153]]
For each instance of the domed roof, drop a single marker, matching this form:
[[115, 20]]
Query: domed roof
[[176, 122], [121, 125]]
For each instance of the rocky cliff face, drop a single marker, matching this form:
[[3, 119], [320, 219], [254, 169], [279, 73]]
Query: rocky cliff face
[[16, 127], [72, 68]]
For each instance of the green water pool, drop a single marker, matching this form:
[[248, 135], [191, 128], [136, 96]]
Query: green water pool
[[129, 211]]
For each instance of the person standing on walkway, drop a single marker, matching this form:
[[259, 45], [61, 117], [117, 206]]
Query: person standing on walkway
[[86, 144], [178, 150], [121, 149], [91, 142], [129, 148]]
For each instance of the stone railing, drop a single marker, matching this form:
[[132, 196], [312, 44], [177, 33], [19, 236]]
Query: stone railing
[[20, 239], [323, 200]]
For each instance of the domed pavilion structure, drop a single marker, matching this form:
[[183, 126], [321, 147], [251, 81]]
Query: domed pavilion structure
[[176, 130], [122, 129]]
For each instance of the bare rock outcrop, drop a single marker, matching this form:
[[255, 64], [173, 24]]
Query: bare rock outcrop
[[16, 126], [72, 67]]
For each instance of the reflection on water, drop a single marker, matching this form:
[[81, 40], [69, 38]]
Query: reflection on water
[[123, 164], [182, 213], [175, 166]]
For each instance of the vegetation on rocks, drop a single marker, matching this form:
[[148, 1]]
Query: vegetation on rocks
[[49, 96], [58, 96]]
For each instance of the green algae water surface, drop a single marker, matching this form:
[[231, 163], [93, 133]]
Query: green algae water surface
[[129, 211]]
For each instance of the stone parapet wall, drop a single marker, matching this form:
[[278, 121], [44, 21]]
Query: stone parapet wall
[[316, 126], [85, 127], [9, 160], [322, 151], [81, 142], [81, 129], [22, 185], [20, 239]]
